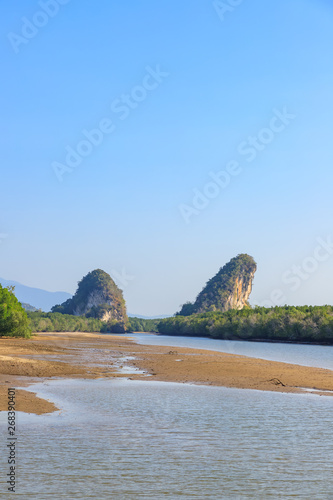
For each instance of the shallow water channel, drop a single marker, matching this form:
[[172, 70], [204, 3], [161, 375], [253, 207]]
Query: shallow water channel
[[123, 439]]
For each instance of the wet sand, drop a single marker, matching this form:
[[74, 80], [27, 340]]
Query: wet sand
[[89, 355]]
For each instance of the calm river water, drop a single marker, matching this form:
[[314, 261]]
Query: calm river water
[[299, 354], [122, 439]]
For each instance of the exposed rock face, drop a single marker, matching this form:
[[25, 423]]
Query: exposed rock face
[[97, 296], [101, 305], [230, 288]]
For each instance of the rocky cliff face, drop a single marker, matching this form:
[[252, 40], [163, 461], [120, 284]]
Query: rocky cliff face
[[230, 288], [101, 305], [97, 296]]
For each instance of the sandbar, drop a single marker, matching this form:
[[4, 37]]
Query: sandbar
[[46, 356]]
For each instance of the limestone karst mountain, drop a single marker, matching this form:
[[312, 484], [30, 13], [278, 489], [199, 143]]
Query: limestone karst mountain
[[230, 288], [97, 296]]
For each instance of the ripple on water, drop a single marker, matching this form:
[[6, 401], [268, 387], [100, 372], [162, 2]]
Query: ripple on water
[[125, 439]]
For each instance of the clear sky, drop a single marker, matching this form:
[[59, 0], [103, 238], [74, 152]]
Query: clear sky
[[215, 138]]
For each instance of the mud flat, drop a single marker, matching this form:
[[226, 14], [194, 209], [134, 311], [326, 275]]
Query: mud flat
[[89, 355]]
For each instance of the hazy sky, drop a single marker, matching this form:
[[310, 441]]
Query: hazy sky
[[157, 140]]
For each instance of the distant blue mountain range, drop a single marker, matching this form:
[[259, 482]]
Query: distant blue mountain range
[[41, 299], [44, 300]]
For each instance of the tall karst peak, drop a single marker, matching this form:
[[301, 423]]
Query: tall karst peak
[[97, 295], [230, 288]]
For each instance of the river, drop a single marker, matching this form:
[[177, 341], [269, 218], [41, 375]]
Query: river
[[298, 354], [124, 439]]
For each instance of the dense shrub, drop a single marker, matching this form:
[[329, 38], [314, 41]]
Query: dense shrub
[[13, 318]]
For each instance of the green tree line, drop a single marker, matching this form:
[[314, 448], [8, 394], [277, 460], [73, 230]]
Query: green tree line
[[312, 324], [58, 322], [142, 325]]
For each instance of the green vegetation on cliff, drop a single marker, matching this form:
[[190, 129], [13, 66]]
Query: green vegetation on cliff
[[312, 324], [97, 296], [14, 321], [230, 288]]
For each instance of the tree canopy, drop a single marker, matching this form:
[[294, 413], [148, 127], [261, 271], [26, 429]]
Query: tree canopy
[[307, 324], [14, 321]]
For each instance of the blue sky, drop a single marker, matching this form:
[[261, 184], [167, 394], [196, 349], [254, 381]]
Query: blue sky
[[121, 209]]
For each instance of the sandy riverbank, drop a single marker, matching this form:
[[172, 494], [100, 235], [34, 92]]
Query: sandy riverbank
[[89, 355]]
